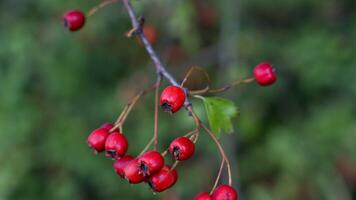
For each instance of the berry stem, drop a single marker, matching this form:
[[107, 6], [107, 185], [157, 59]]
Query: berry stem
[[222, 89], [222, 152], [100, 6], [155, 132], [148, 145], [218, 176], [127, 109]]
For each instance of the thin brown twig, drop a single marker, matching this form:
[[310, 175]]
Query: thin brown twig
[[155, 130], [100, 6], [127, 109], [222, 89], [218, 176], [222, 152]]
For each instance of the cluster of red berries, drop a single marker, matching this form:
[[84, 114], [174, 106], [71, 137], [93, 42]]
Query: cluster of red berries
[[149, 167]]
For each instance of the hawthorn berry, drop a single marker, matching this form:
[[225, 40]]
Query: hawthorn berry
[[172, 98], [107, 126], [120, 164], [96, 140], [202, 196], [224, 192], [264, 74], [74, 20], [163, 179], [150, 163], [116, 145], [150, 33], [131, 172], [182, 148]]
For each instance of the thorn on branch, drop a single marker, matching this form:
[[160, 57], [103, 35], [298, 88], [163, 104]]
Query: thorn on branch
[[135, 31]]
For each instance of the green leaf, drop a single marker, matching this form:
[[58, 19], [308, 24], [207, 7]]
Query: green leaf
[[220, 112]]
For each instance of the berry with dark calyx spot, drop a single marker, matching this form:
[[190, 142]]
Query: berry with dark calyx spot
[[224, 192], [96, 140], [172, 98], [264, 74], [182, 148], [131, 172], [163, 179], [74, 20], [108, 126], [120, 164], [202, 196], [150, 163], [116, 145]]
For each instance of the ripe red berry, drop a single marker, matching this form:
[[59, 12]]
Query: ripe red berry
[[163, 179], [107, 126], [150, 163], [202, 196], [182, 148], [74, 20], [224, 192], [264, 74], [96, 140], [131, 172], [120, 164], [172, 98], [116, 145]]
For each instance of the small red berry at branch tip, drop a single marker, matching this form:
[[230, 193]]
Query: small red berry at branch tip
[[202, 196], [163, 179], [120, 164], [96, 140], [182, 148], [74, 20], [150, 163], [131, 172], [172, 98], [116, 145], [224, 192], [264, 74], [107, 126]]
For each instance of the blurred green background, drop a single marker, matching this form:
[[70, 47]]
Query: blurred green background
[[293, 140]]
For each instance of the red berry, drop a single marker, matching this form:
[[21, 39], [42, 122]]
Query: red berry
[[163, 179], [120, 164], [264, 74], [107, 126], [202, 196], [131, 172], [182, 148], [224, 192], [116, 145], [172, 98], [74, 20], [150, 33], [97, 139], [150, 163]]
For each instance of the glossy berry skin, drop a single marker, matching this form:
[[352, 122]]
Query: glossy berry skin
[[172, 98], [182, 148], [150, 163], [202, 196], [116, 145], [264, 74], [120, 164], [74, 20], [96, 140], [107, 126], [163, 179], [131, 172], [224, 192]]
